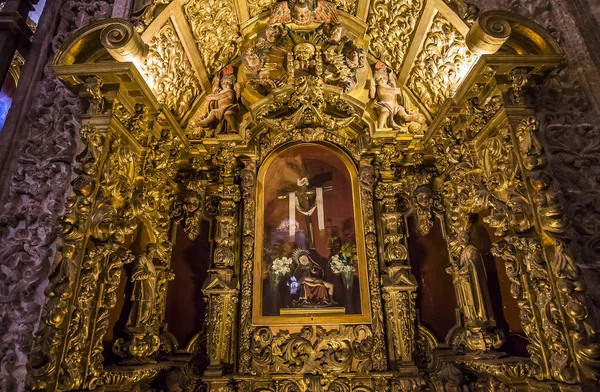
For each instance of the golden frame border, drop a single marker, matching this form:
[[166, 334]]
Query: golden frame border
[[365, 316]]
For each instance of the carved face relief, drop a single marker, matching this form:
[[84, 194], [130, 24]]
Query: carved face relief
[[423, 196], [247, 179], [304, 51], [273, 34], [301, 14], [191, 203], [252, 61]]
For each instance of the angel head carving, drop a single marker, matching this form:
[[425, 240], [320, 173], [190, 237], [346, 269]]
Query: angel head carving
[[304, 12], [252, 60]]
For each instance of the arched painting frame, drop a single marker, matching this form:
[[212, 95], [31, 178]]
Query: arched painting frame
[[310, 263]]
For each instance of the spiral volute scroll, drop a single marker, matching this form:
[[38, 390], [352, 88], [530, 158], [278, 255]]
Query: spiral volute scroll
[[488, 34], [122, 41]]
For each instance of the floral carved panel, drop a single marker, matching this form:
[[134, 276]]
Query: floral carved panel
[[216, 31], [391, 24], [169, 72], [440, 65]]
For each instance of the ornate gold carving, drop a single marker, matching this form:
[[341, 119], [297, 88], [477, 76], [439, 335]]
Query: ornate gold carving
[[467, 10], [107, 198], [169, 72], [128, 377], [193, 207], [122, 42], [221, 287], [216, 30], [367, 178], [569, 284], [400, 313], [247, 182], [335, 351], [440, 65], [391, 24], [488, 34], [304, 13], [145, 11]]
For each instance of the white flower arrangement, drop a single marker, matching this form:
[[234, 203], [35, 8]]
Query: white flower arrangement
[[281, 265], [338, 267]]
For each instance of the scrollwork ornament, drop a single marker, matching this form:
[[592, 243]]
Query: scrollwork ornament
[[367, 181], [346, 349]]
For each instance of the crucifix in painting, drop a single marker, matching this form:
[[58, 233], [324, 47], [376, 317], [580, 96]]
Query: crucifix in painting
[[305, 199], [309, 260]]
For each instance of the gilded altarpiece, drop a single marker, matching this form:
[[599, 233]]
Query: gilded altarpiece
[[302, 154]]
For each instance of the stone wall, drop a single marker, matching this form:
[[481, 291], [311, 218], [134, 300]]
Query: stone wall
[[38, 149]]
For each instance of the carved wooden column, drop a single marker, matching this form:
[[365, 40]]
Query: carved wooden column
[[398, 284], [248, 184], [221, 287], [367, 179]]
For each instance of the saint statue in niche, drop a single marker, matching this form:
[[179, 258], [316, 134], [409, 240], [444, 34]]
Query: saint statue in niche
[[309, 257]]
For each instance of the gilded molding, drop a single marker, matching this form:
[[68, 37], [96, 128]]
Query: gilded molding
[[367, 178], [248, 184]]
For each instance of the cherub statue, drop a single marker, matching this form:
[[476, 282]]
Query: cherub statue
[[333, 34], [223, 103], [303, 12], [342, 57], [386, 94]]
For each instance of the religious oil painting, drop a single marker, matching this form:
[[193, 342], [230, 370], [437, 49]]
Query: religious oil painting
[[310, 257]]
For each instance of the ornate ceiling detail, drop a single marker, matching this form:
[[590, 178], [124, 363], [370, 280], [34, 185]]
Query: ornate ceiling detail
[[440, 66], [216, 30], [391, 24], [169, 72]]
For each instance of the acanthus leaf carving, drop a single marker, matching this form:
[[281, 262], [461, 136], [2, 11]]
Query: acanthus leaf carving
[[169, 72], [216, 30]]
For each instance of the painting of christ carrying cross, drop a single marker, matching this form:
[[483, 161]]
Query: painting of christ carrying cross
[[308, 203]]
